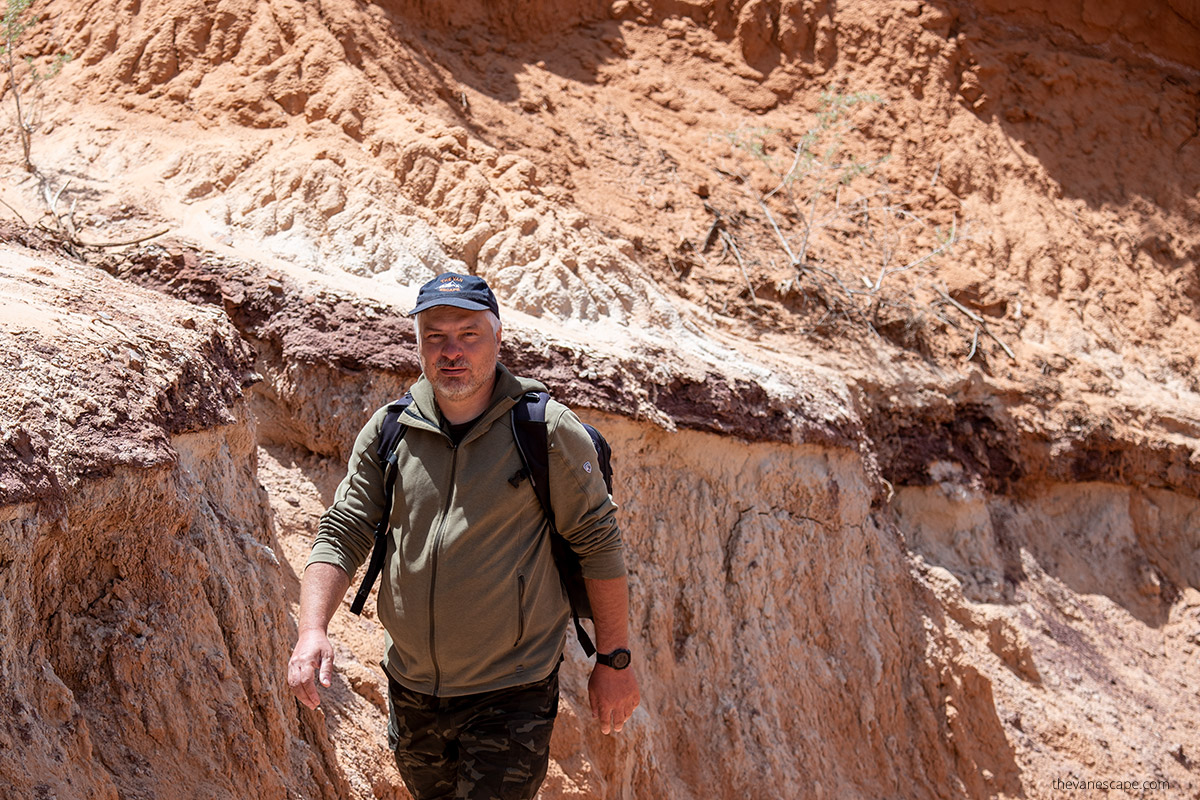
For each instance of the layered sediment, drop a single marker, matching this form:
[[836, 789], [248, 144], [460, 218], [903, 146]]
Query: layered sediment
[[908, 468]]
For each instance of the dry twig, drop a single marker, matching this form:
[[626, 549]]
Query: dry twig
[[741, 265]]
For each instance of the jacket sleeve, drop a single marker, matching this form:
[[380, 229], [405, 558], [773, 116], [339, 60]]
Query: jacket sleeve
[[346, 531], [584, 513]]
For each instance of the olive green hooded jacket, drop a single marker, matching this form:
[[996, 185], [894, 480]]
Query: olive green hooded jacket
[[471, 599]]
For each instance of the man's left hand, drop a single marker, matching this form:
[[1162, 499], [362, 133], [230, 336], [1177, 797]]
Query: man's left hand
[[614, 695]]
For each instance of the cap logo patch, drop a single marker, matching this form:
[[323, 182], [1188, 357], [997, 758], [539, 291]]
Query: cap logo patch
[[460, 291]]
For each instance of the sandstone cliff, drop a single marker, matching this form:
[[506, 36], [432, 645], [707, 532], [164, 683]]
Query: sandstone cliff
[[142, 590], [935, 537]]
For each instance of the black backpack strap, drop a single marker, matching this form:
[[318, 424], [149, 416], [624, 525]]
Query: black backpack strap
[[390, 434], [533, 445]]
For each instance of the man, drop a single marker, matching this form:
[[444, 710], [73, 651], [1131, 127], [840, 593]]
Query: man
[[471, 601]]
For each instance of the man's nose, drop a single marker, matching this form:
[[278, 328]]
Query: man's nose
[[452, 347]]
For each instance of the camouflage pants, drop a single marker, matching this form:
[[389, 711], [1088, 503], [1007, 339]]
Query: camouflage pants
[[490, 746]]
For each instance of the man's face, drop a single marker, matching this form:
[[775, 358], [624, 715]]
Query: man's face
[[458, 350]]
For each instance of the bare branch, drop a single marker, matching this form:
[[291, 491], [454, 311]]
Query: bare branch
[[996, 338], [126, 243], [741, 265], [975, 317], [18, 213], [782, 239]]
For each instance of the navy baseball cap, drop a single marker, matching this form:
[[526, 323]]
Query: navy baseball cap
[[461, 291]]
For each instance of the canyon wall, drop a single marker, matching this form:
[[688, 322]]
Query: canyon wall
[[800, 621], [144, 603], [932, 538], [776, 622]]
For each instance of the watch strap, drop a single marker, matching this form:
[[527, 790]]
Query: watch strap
[[617, 659]]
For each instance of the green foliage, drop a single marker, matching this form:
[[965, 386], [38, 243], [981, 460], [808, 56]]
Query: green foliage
[[17, 21], [877, 232], [60, 61], [815, 170], [816, 152], [15, 24]]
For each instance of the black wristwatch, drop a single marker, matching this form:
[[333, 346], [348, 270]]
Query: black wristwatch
[[617, 659]]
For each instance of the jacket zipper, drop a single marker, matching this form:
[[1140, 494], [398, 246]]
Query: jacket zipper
[[520, 609], [433, 569]]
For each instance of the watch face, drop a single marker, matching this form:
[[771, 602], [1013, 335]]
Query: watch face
[[620, 659]]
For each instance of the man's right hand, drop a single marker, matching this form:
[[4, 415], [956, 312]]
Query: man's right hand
[[322, 589], [311, 659]]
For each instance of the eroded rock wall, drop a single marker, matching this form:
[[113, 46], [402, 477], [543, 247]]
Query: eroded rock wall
[[142, 621], [942, 578], [805, 616], [143, 607], [785, 642], [1079, 602], [781, 639], [862, 605]]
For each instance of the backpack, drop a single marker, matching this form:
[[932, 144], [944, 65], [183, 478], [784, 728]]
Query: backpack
[[529, 430]]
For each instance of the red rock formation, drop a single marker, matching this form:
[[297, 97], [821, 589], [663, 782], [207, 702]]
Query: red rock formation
[[927, 538]]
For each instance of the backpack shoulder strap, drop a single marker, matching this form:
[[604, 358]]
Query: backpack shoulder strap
[[533, 445], [390, 434], [392, 430]]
